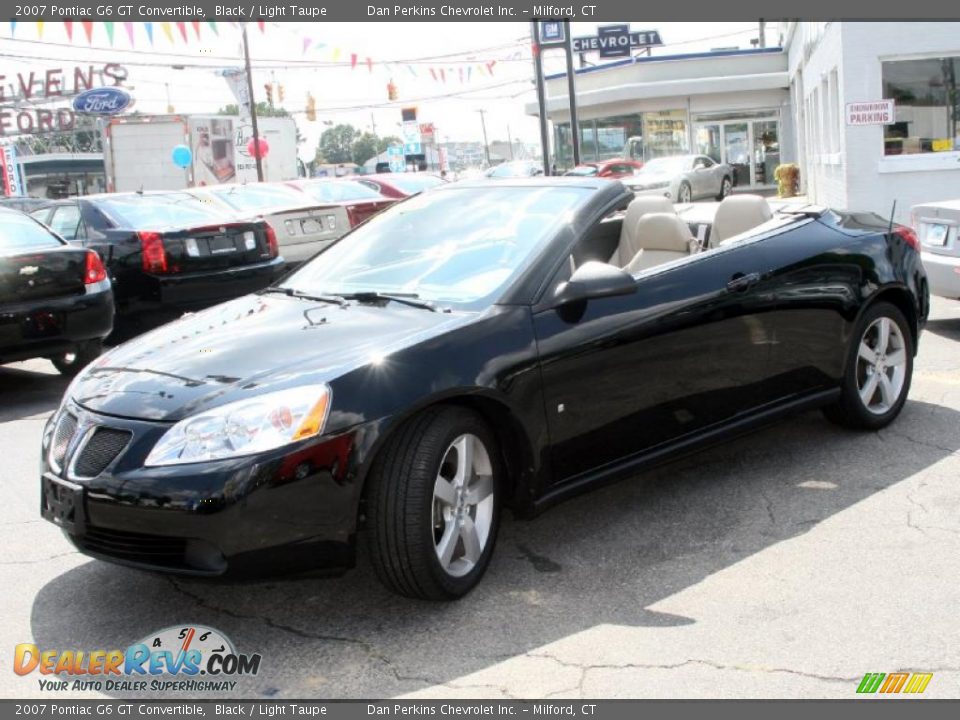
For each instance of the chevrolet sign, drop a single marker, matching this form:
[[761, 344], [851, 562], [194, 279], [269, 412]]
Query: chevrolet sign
[[616, 41]]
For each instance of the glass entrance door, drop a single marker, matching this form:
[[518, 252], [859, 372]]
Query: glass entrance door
[[751, 147]]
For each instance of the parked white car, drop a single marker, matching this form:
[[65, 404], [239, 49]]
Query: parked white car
[[303, 228], [938, 228], [682, 178]]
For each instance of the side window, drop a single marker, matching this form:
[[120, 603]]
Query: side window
[[66, 221], [42, 215], [702, 162]]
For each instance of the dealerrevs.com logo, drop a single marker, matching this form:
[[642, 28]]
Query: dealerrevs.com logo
[[189, 658]]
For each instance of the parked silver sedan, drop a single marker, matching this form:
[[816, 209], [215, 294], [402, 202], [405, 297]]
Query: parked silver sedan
[[682, 178], [303, 227]]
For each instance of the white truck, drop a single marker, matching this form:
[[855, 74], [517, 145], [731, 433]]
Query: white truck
[[137, 151]]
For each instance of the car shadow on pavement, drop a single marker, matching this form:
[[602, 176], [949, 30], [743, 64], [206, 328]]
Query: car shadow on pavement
[[24, 393], [601, 558], [948, 328]]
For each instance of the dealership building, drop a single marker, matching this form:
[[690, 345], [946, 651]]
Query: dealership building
[[816, 101]]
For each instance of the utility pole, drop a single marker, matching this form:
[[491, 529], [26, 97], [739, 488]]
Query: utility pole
[[510, 140], [253, 105], [373, 123], [486, 145], [763, 33]]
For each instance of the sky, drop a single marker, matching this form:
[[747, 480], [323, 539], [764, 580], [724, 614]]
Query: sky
[[449, 70]]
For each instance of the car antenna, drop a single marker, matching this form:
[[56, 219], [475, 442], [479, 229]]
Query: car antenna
[[893, 211]]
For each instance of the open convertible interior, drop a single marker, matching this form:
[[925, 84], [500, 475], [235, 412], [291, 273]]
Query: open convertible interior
[[651, 231]]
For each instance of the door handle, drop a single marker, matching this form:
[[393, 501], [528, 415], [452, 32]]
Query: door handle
[[740, 282]]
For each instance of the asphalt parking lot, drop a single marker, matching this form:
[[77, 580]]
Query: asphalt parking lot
[[786, 564]]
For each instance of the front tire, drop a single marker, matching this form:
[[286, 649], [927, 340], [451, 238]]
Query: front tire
[[684, 193], [433, 504], [70, 363], [878, 371], [726, 187]]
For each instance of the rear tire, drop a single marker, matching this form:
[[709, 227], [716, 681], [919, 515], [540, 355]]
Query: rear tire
[[433, 504], [726, 187], [70, 363], [684, 193], [878, 371]]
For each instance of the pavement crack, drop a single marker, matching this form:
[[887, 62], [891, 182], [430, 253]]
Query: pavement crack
[[909, 438], [367, 647], [39, 560]]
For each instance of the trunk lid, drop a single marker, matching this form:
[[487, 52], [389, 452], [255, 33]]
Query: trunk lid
[[39, 275]]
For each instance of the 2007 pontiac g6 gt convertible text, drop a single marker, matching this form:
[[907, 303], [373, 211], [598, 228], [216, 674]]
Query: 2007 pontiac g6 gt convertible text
[[481, 346]]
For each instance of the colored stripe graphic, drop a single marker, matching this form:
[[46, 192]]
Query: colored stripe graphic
[[871, 682], [918, 683], [895, 682]]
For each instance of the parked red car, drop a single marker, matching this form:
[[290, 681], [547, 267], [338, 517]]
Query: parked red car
[[616, 168], [401, 185], [360, 201]]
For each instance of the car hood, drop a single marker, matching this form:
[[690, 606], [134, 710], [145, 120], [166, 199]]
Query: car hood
[[246, 347]]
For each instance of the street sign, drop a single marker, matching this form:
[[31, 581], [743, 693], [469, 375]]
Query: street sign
[[878, 112], [616, 41], [411, 132], [412, 148], [10, 172]]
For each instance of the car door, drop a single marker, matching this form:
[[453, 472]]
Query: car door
[[687, 352], [704, 182]]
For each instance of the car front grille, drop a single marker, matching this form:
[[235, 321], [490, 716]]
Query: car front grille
[[154, 550], [99, 451], [62, 435]]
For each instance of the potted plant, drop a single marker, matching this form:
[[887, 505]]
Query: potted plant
[[788, 179]]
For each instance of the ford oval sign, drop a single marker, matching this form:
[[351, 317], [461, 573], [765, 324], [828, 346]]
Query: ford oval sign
[[102, 101]]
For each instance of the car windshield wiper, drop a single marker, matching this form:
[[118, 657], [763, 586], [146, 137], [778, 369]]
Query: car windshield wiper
[[405, 298], [290, 292]]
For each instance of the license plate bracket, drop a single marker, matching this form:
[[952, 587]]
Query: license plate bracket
[[222, 244], [61, 503]]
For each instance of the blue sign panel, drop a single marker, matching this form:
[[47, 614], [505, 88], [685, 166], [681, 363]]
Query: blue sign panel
[[551, 31], [102, 101], [412, 149]]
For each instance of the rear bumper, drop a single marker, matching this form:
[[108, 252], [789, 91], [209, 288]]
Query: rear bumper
[[43, 328], [280, 511], [943, 274], [166, 297]]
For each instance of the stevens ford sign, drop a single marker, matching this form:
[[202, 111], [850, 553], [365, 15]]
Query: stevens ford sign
[[102, 101]]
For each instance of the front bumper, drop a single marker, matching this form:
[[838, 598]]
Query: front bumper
[[290, 509], [943, 274], [43, 328]]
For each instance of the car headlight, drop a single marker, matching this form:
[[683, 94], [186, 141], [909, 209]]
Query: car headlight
[[246, 427]]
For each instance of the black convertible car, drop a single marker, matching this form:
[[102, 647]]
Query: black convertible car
[[477, 347]]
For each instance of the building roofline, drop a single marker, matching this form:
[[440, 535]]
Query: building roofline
[[668, 58]]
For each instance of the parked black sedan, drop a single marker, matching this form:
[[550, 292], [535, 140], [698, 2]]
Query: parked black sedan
[[167, 252], [55, 300], [482, 346]]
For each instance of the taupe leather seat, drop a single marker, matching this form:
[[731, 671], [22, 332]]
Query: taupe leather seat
[[662, 237], [638, 207], [737, 214]]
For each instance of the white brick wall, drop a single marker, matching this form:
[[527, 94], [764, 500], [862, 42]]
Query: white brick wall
[[857, 175]]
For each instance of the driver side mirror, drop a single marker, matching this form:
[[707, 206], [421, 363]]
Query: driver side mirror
[[594, 280]]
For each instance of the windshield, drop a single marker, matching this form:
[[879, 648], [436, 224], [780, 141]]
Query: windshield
[[339, 191], [161, 210], [258, 197], [412, 183], [455, 246], [672, 165], [20, 232]]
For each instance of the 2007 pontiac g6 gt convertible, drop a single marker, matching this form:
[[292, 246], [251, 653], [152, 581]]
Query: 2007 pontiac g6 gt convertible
[[481, 346]]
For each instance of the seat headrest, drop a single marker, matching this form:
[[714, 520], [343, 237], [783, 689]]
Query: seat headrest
[[737, 214], [646, 204], [663, 231]]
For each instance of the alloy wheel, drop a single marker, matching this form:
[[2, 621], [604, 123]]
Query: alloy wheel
[[684, 194], [726, 188], [463, 505], [881, 366]]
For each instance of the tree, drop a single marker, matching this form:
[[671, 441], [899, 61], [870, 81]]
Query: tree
[[336, 144], [263, 110], [364, 147]]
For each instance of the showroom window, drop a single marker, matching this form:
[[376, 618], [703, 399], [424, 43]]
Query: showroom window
[[927, 105], [665, 134], [600, 139]]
